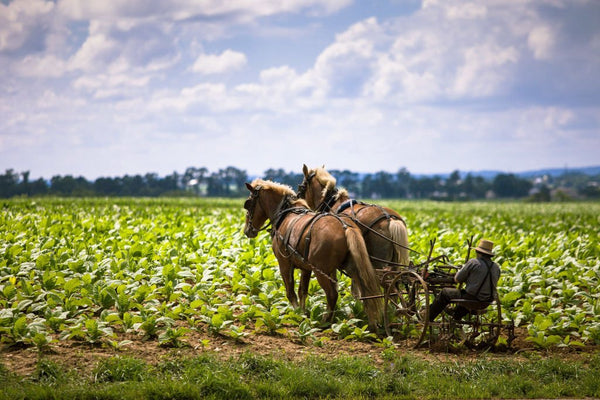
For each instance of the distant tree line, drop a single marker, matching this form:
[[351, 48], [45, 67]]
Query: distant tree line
[[229, 182]]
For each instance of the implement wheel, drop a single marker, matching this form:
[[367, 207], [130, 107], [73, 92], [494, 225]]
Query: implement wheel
[[407, 308]]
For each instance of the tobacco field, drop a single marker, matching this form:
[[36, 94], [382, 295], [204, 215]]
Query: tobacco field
[[109, 271]]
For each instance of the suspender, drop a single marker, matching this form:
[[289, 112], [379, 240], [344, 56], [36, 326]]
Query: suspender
[[488, 275]]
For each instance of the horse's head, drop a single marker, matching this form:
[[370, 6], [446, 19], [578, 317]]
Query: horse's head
[[262, 204], [316, 186], [256, 214]]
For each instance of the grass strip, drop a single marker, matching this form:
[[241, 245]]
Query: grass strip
[[251, 376]]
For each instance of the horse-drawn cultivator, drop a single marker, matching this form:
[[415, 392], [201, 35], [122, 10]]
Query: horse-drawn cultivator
[[408, 293], [321, 231]]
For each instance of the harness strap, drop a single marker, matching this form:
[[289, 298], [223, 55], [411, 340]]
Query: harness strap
[[308, 226], [328, 201], [288, 232]]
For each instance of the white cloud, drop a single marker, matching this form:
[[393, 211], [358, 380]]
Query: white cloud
[[147, 47], [110, 85], [227, 61], [484, 71], [343, 67], [20, 20], [466, 10], [204, 99], [424, 85], [422, 58], [542, 124], [541, 42], [410, 69], [41, 66], [282, 90], [177, 10], [98, 51]]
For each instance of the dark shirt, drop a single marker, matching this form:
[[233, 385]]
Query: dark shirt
[[474, 272]]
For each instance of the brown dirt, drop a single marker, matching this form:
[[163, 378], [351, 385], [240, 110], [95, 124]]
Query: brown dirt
[[83, 357]]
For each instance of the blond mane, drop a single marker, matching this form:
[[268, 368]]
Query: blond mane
[[276, 187], [341, 193], [297, 202]]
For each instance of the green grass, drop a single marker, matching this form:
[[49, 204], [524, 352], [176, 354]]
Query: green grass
[[250, 376]]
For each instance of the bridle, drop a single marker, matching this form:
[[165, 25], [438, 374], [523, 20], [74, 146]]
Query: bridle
[[250, 206], [304, 185], [326, 203]]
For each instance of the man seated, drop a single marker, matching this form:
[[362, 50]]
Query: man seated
[[480, 276]]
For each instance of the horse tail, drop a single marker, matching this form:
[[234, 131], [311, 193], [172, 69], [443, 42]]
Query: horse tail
[[399, 234], [367, 280]]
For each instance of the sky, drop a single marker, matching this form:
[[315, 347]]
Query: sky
[[123, 87]]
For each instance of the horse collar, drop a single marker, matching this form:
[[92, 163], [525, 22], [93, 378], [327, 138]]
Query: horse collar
[[328, 201], [283, 209], [345, 205]]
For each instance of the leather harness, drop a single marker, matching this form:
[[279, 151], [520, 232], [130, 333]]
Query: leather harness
[[284, 210]]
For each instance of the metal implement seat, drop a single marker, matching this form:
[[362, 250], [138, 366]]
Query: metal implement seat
[[475, 307]]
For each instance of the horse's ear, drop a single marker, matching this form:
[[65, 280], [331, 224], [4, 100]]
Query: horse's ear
[[305, 169], [249, 186]]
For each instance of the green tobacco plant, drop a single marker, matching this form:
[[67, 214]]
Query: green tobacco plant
[[17, 329], [146, 265], [305, 332], [173, 337], [270, 322]]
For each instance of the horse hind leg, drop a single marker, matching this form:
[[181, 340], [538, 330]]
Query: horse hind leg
[[351, 271], [380, 248], [329, 285]]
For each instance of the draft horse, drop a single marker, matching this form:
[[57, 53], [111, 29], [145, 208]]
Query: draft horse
[[384, 230], [312, 242]]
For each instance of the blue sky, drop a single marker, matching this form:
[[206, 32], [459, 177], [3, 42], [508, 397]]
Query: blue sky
[[116, 87]]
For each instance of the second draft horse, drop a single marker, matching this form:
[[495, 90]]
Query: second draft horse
[[384, 230]]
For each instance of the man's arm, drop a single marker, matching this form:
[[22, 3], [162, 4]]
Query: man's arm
[[463, 273]]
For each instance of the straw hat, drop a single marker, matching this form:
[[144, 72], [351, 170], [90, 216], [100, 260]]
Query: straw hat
[[485, 247]]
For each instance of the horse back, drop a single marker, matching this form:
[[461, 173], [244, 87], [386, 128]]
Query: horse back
[[372, 216], [316, 238]]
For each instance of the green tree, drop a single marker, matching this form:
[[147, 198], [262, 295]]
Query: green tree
[[509, 185], [9, 183], [287, 178], [453, 185], [70, 186], [38, 187], [403, 180], [348, 180]]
